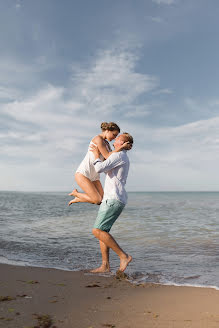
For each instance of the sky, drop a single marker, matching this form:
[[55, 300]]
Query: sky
[[151, 66]]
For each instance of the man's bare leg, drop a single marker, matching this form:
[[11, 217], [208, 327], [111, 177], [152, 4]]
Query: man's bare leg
[[105, 266], [110, 242]]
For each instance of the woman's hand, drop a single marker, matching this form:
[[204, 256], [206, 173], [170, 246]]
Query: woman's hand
[[95, 151]]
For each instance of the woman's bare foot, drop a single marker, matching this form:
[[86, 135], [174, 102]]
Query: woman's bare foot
[[75, 200], [124, 262], [101, 269], [74, 193]]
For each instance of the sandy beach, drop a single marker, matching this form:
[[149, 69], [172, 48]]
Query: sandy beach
[[38, 297]]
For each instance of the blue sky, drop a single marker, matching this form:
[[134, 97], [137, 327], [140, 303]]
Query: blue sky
[[149, 65]]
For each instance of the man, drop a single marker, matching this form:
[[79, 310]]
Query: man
[[116, 167]]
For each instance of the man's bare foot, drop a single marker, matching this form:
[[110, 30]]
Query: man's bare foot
[[124, 262], [73, 193], [101, 269], [75, 200]]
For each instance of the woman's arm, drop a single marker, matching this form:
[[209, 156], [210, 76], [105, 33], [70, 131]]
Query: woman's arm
[[101, 144]]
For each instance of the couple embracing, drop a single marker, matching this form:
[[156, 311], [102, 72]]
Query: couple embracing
[[112, 200]]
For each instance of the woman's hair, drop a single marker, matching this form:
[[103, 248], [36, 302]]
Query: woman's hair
[[111, 126]]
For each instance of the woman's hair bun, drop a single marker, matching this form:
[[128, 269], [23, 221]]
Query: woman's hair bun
[[111, 126], [104, 126]]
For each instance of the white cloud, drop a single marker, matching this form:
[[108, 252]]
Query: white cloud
[[137, 111], [49, 131], [200, 136], [214, 103], [20, 75], [163, 91], [165, 2], [112, 82], [18, 5], [109, 84], [37, 109], [185, 157], [172, 158], [156, 19], [7, 93], [52, 127]]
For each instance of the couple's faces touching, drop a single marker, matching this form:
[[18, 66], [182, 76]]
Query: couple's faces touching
[[111, 135]]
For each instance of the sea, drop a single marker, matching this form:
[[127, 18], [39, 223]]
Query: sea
[[172, 236]]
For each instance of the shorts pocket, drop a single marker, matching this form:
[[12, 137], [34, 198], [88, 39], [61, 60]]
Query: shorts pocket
[[110, 202]]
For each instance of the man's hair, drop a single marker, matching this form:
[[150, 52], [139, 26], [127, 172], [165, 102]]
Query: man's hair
[[128, 137]]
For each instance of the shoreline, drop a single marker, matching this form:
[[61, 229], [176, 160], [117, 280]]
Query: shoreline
[[7, 262], [80, 300]]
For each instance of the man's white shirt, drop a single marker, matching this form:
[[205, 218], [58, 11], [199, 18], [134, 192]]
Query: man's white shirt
[[116, 167]]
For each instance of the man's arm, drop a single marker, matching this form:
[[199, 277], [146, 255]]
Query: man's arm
[[110, 163]]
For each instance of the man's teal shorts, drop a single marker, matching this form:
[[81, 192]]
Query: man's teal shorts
[[109, 211]]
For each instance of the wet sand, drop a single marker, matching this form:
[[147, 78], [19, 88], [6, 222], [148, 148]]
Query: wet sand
[[37, 297]]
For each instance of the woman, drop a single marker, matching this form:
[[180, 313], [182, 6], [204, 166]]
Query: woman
[[86, 176]]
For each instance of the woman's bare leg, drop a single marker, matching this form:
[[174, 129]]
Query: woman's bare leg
[[91, 193], [99, 187], [75, 200]]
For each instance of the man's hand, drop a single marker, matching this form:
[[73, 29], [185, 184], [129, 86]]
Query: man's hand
[[127, 146], [95, 151]]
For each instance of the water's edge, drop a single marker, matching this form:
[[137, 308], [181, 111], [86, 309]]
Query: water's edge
[[133, 281]]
